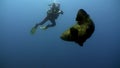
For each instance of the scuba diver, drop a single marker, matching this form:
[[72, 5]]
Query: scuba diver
[[52, 14]]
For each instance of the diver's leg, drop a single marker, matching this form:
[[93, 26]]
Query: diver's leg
[[53, 23], [42, 22], [33, 30]]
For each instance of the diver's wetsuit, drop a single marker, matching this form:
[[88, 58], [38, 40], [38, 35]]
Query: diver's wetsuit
[[52, 15]]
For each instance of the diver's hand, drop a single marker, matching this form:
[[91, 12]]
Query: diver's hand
[[61, 12]]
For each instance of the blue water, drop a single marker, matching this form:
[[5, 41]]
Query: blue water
[[20, 49]]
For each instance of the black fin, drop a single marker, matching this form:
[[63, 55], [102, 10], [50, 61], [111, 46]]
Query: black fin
[[74, 33]]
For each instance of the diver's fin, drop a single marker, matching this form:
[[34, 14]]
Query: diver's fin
[[43, 27], [33, 30]]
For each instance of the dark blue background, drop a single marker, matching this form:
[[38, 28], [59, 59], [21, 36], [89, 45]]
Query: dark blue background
[[20, 49]]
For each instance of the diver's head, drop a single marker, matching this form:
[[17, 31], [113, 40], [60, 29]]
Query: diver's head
[[56, 5]]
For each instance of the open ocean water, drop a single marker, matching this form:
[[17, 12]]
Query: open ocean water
[[45, 49]]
